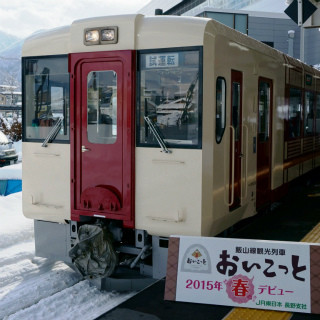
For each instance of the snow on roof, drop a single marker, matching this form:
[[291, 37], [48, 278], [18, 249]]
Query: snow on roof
[[3, 138], [13, 172], [267, 6]]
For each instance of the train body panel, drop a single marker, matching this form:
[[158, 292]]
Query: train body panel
[[139, 127], [164, 207], [42, 199]]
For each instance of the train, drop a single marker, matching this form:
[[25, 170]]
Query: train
[[139, 127]]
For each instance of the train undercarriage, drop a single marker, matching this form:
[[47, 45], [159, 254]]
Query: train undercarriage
[[112, 257]]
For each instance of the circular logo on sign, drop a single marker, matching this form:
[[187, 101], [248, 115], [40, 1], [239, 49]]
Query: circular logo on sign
[[240, 288]]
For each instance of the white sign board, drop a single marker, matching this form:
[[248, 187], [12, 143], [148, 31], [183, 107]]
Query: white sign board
[[243, 273], [165, 60]]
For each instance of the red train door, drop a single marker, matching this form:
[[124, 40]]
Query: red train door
[[236, 140], [103, 141], [264, 140]]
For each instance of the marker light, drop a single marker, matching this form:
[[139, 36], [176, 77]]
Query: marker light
[[107, 35], [102, 35]]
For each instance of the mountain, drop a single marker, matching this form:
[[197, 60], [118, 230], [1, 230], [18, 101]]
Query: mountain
[[7, 40], [10, 60]]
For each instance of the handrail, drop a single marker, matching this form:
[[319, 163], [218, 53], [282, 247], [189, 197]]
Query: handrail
[[246, 161], [46, 205], [46, 154], [178, 218], [232, 165]]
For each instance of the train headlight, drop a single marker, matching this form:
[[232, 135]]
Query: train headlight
[[92, 36], [101, 35]]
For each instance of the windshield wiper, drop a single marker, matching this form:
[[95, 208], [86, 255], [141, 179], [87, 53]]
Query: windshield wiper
[[53, 133], [156, 134]]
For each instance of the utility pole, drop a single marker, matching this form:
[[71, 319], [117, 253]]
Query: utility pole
[[300, 24]]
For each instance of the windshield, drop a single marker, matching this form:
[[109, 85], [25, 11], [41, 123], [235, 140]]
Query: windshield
[[169, 96], [46, 97]]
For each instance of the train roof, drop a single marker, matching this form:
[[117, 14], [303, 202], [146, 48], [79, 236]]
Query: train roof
[[138, 32]]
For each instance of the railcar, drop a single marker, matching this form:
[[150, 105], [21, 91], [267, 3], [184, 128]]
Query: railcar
[[136, 128]]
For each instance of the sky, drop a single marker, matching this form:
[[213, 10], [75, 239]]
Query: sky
[[23, 17]]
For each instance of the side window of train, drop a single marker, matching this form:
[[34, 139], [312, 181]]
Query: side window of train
[[236, 105], [308, 117], [220, 108], [46, 98], [318, 114], [295, 108], [264, 110]]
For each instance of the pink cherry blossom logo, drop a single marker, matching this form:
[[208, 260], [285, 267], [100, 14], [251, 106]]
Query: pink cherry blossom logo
[[240, 288]]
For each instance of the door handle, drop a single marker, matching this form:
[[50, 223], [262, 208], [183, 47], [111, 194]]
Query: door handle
[[84, 149]]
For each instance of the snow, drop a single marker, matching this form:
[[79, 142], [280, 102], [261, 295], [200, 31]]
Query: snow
[[18, 147], [3, 138], [13, 172], [37, 288]]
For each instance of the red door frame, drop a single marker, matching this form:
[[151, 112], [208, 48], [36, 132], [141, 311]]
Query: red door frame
[[77, 62], [264, 155], [235, 185]]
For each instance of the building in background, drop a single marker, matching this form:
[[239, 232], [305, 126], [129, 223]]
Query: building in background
[[10, 102], [9, 96], [263, 20]]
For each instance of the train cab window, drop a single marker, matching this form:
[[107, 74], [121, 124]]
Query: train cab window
[[169, 96], [220, 108], [264, 109], [46, 98], [294, 123], [308, 113], [102, 107]]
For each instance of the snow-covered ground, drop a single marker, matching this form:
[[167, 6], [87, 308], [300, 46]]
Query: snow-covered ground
[[35, 288]]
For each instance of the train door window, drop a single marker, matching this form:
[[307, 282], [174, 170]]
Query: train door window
[[294, 129], [308, 113], [220, 108], [264, 110], [102, 107], [318, 114], [169, 95], [46, 98], [236, 91]]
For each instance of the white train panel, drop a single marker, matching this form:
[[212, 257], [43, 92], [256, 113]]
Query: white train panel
[[41, 198], [164, 207]]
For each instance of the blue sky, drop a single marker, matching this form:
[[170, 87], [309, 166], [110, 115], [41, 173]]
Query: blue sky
[[23, 17]]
